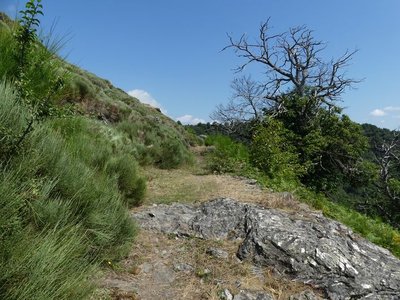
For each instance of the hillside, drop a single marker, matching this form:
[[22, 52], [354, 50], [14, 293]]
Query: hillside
[[71, 157]]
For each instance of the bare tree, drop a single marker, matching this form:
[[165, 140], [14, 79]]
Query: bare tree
[[245, 104], [293, 64], [388, 157]]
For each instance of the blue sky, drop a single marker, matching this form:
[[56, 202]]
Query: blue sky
[[168, 52]]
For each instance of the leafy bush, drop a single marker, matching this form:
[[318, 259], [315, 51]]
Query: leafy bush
[[272, 151], [227, 156]]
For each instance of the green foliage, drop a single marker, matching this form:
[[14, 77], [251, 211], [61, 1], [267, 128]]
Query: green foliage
[[328, 144], [155, 142], [273, 153], [25, 38], [193, 138], [64, 210], [227, 155], [125, 169], [13, 116], [33, 70], [66, 181], [45, 264], [50, 265]]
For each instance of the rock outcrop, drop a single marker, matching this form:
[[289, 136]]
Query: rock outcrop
[[305, 247]]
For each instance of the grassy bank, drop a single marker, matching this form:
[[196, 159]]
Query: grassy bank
[[72, 147]]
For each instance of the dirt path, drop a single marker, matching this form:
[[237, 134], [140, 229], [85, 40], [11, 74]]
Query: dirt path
[[168, 267]]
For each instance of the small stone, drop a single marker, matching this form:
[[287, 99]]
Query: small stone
[[163, 274], [251, 181], [217, 253], [227, 295], [183, 267], [146, 267], [134, 270], [253, 295]]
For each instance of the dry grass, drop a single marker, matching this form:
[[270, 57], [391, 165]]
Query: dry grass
[[155, 253], [184, 185]]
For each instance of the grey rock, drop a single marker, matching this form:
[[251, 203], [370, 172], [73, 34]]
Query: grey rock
[[309, 248], [227, 295], [217, 253], [183, 267], [251, 181], [146, 267], [305, 295], [253, 295], [163, 274]]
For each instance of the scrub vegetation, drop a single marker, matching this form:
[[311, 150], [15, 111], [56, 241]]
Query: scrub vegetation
[[71, 152]]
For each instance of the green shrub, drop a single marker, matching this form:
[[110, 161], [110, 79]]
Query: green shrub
[[125, 169], [8, 64], [227, 156], [173, 153], [45, 263], [94, 200], [272, 152], [156, 143]]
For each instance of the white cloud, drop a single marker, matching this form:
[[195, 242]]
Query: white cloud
[[378, 113], [190, 120], [392, 108], [146, 98]]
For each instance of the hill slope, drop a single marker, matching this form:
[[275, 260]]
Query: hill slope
[[71, 152]]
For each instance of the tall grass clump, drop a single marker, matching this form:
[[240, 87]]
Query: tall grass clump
[[125, 171], [48, 265], [52, 198], [87, 140], [94, 198], [157, 143], [13, 116]]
